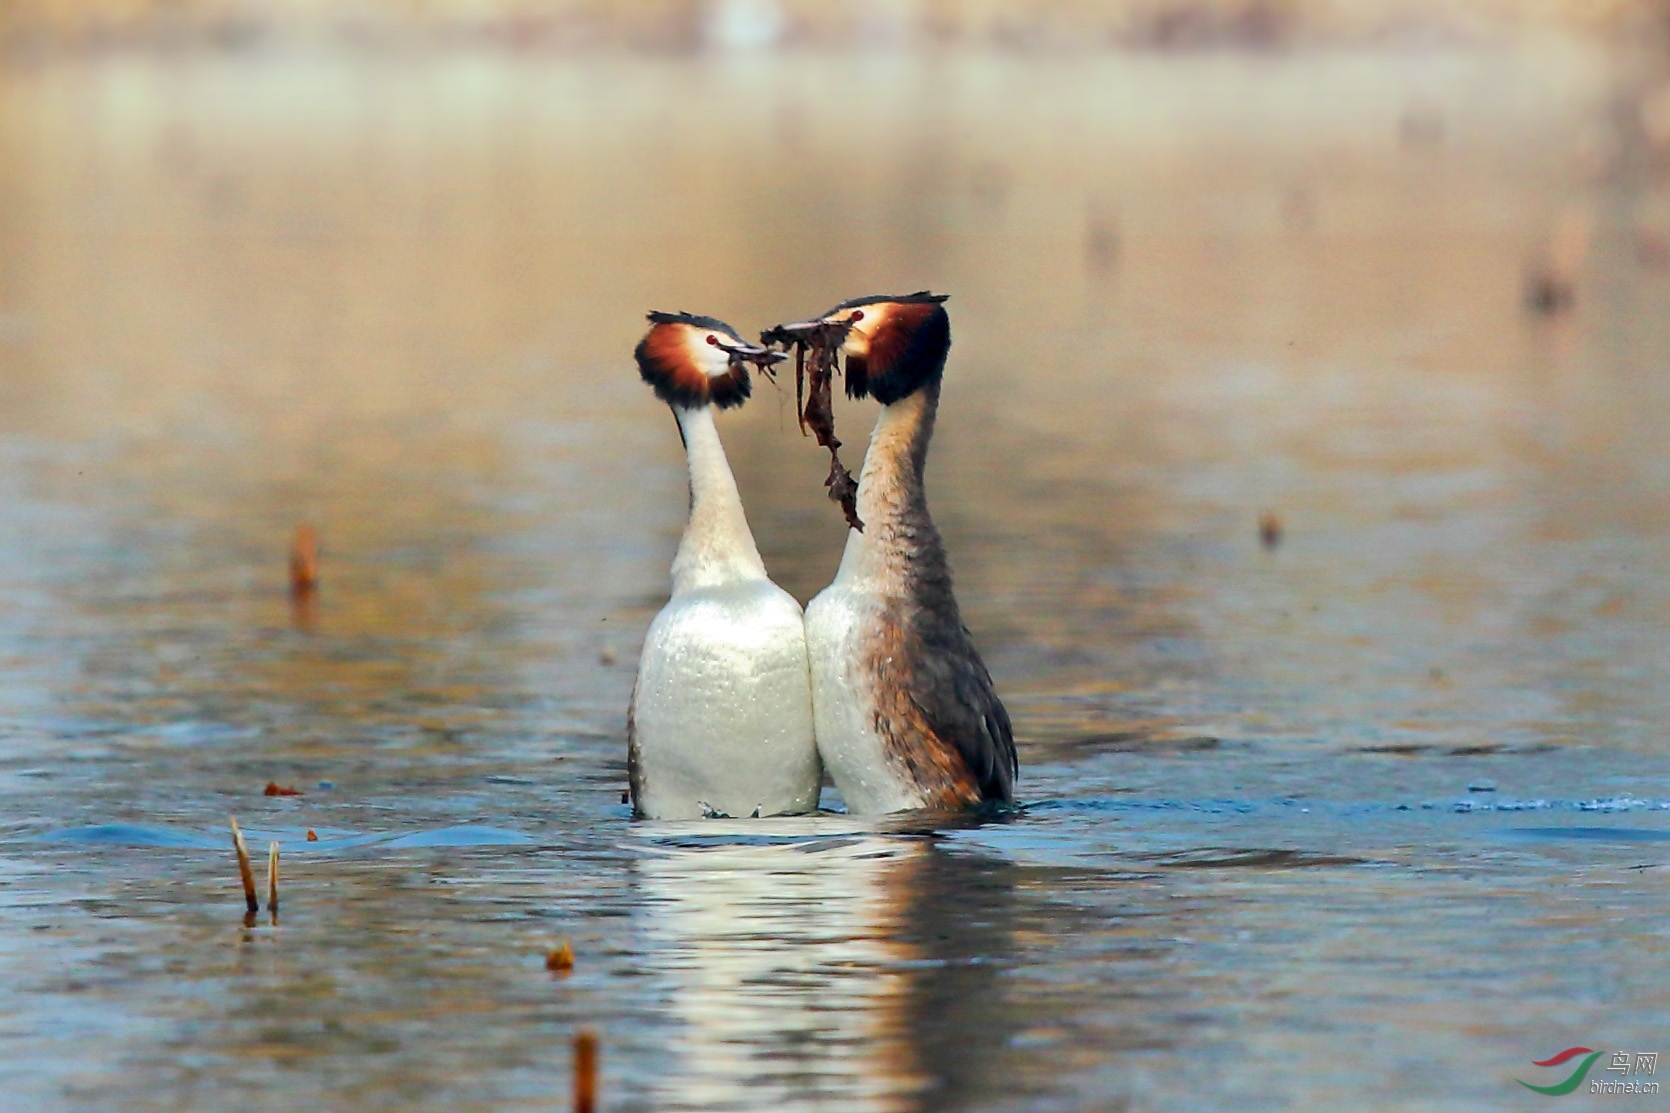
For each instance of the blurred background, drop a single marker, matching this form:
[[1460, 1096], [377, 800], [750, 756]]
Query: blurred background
[[1302, 463], [1391, 271], [687, 25]]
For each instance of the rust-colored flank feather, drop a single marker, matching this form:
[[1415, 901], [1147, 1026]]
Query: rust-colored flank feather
[[930, 760]]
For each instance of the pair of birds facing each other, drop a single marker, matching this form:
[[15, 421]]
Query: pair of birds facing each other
[[742, 701]]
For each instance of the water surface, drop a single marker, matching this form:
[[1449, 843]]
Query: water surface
[[1367, 820]]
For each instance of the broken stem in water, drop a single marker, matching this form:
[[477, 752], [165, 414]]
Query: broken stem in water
[[585, 1072], [272, 880], [244, 871]]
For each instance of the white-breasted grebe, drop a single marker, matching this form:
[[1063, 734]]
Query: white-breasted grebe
[[721, 717], [905, 710]]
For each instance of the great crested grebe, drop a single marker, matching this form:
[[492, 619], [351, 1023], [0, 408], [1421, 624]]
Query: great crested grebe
[[721, 717], [905, 711]]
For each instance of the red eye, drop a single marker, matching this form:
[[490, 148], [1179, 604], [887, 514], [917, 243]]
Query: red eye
[[857, 315], [712, 339]]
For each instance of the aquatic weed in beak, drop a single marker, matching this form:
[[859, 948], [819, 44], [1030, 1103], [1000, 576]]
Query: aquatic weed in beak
[[814, 408], [756, 355]]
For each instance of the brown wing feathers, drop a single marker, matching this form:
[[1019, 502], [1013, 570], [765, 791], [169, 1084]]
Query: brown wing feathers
[[939, 716]]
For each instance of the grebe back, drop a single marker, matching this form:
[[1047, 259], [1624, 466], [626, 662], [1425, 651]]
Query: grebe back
[[905, 711]]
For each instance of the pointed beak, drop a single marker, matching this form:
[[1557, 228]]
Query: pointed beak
[[817, 333], [762, 357]]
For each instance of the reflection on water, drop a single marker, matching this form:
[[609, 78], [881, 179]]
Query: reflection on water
[[852, 971], [783, 979], [1367, 819]]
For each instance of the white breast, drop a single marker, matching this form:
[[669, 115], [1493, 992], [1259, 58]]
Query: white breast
[[722, 713], [841, 623]]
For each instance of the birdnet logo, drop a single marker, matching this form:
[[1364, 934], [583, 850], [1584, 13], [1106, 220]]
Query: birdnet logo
[[1633, 1070]]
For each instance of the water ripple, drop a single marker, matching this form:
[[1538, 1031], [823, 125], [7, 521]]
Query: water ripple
[[138, 834]]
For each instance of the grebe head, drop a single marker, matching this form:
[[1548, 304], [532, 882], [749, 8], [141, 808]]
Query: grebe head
[[696, 361], [895, 344]]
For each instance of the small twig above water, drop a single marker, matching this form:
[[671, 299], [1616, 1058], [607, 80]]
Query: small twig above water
[[304, 578], [1269, 529], [272, 881], [585, 1071], [304, 561], [247, 874]]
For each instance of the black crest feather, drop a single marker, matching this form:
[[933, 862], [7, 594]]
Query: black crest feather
[[921, 297]]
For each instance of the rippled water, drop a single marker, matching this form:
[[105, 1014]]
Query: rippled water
[[1370, 819]]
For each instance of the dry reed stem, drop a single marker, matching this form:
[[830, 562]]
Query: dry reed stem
[[304, 561], [1269, 529], [244, 871], [585, 1071], [272, 880]]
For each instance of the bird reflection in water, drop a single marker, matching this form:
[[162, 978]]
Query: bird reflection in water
[[848, 970]]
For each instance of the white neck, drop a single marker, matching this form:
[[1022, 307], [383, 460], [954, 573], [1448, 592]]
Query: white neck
[[717, 547]]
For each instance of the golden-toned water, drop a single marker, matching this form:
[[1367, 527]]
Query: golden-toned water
[[1368, 819]]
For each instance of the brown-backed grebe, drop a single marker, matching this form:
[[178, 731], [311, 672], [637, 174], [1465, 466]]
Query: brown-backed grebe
[[905, 710]]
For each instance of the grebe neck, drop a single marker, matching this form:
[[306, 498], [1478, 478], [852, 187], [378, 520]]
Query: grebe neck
[[899, 544], [717, 546]]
